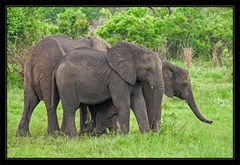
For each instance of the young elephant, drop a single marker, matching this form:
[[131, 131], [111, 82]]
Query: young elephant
[[38, 75], [87, 76], [103, 116], [177, 83]]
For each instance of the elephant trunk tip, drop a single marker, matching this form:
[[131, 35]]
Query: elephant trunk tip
[[208, 121], [196, 111]]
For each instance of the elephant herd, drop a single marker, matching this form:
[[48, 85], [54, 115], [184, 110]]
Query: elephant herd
[[103, 82]]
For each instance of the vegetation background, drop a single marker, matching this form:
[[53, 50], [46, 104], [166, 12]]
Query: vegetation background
[[199, 39]]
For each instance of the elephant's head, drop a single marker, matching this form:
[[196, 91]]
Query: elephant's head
[[94, 43], [133, 63], [177, 83]]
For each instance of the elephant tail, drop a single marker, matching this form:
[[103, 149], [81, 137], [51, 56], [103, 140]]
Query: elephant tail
[[26, 86], [54, 93]]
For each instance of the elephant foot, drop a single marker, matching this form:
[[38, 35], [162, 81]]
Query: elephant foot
[[100, 133], [155, 126], [84, 133], [70, 133], [23, 129], [53, 131], [112, 131], [21, 132], [122, 131], [146, 131], [97, 133], [86, 129]]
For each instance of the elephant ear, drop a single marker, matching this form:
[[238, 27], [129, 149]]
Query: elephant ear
[[121, 59], [168, 77]]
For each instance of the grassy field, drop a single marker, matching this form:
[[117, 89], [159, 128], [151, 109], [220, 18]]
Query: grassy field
[[181, 134]]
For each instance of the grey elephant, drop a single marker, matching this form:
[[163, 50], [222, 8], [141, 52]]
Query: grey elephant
[[87, 76], [176, 82], [103, 117], [38, 75]]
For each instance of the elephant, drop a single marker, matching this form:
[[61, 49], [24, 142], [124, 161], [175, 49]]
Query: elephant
[[38, 76], [103, 116], [88, 76], [176, 83]]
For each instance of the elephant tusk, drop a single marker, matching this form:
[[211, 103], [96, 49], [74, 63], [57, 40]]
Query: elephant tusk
[[151, 87]]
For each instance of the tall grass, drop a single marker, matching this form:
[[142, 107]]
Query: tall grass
[[181, 134]]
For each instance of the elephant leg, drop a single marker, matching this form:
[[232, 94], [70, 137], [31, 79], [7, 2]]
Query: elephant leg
[[53, 126], [113, 129], [123, 116], [93, 113], [30, 102], [46, 88], [139, 108], [100, 125], [100, 131], [121, 99], [154, 117], [70, 104], [68, 123], [85, 120], [157, 123]]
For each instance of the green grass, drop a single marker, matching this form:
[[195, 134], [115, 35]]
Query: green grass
[[181, 134]]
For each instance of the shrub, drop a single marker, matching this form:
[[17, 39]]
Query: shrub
[[72, 22], [134, 25]]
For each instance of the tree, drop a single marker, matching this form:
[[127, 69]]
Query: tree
[[25, 27], [134, 25], [72, 22]]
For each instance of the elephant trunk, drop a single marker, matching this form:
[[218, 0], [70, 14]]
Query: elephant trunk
[[148, 96], [153, 98], [157, 107], [194, 108]]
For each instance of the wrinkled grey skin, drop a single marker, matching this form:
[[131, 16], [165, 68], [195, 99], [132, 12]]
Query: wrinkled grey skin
[[38, 75], [103, 116], [176, 82], [87, 76]]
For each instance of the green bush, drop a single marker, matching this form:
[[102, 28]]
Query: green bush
[[199, 28], [207, 30], [134, 25], [72, 22], [27, 25]]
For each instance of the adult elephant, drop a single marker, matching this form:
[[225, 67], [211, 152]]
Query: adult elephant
[[176, 82], [87, 76], [38, 75]]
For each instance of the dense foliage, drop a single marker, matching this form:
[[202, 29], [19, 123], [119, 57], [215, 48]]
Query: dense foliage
[[207, 31], [134, 25], [199, 28]]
